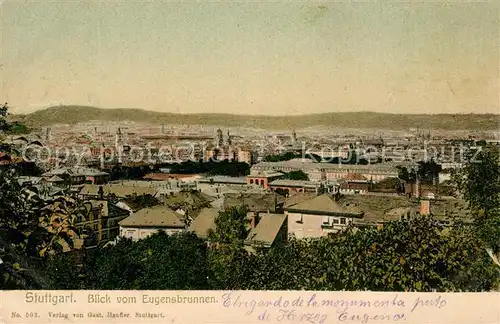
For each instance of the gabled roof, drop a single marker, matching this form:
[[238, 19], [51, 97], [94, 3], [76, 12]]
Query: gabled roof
[[254, 201], [136, 203], [116, 211], [322, 205], [223, 179], [119, 190], [90, 172], [294, 183], [55, 179], [355, 176], [33, 180], [167, 176], [157, 216], [204, 221], [265, 174], [59, 171], [267, 229], [298, 197], [192, 199], [76, 171], [385, 167]]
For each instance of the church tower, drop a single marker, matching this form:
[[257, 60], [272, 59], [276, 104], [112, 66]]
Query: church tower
[[219, 138], [119, 144], [48, 134]]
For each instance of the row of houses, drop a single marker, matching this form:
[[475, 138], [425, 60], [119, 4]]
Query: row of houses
[[273, 219], [77, 175], [138, 209], [329, 171], [352, 183], [266, 181]]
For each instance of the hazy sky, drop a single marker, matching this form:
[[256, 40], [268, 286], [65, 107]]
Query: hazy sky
[[264, 57]]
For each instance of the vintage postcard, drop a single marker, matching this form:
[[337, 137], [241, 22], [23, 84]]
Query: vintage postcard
[[249, 161]]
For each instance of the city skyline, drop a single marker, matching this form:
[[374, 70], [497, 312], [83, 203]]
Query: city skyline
[[251, 58]]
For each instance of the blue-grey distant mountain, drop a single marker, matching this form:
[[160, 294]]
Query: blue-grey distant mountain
[[78, 114]]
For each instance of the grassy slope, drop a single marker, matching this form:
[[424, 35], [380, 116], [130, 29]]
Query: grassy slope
[[75, 114]]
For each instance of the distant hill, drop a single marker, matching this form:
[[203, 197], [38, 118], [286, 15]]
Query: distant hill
[[78, 114]]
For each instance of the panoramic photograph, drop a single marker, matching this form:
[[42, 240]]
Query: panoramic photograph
[[249, 146]]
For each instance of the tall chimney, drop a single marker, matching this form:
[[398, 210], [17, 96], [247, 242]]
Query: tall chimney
[[99, 225], [254, 219], [102, 152], [100, 193]]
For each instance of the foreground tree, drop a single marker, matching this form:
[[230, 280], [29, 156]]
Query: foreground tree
[[159, 262], [114, 267], [4, 125], [479, 182], [227, 258], [176, 262], [415, 255], [411, 255], [30, 228]]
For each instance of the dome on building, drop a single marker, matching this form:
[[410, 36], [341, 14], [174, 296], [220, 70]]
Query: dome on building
[[428, 195]]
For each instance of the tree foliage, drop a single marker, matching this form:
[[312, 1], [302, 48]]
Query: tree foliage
[[282, 192], [479, 182], [231, 226], [4, 125], [159, 262], [227, 256], [212, 167], [283, 157], [10, 128], [403, 256], [227, 168], [32, 229], [409, 255], [128, 172], [18, 128], [389, 184], [428, 171], [296, 175]]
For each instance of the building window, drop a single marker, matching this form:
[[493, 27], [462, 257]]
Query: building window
[[335, 221], [130, 234], [342, 221]]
